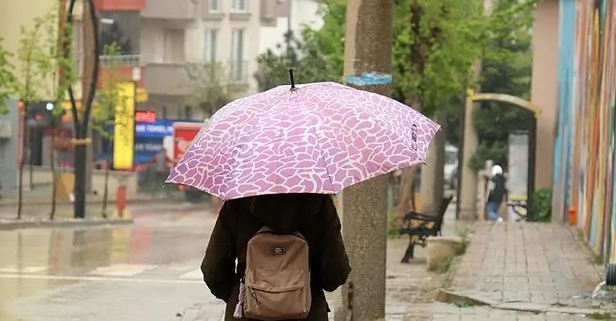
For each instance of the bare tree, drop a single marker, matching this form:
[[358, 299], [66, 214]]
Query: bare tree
[[210, 86], [108, 98], [38, 58]]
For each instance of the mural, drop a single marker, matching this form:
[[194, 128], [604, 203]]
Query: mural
[[584, 150]]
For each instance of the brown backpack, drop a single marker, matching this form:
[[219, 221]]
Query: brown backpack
[[277, 278]]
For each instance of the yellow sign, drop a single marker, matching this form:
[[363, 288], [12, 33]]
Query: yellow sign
[[142, 95], [124, 127]]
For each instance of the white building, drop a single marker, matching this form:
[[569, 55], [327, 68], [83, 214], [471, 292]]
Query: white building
[[183, 36], [280, 16]]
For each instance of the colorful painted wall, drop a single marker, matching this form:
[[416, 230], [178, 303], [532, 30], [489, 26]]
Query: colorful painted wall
[[584, 156]]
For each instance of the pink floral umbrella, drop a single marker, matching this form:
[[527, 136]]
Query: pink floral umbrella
[[314, 138]]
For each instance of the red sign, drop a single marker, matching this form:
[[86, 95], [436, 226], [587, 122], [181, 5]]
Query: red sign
[[183, 134], [146, 116]]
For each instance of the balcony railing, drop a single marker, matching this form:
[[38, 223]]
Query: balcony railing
[[238, 71], [205, 72], [120, 60]]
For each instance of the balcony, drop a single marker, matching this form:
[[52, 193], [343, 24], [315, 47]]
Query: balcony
[[172, 79], [170, 10], [120, 5], [271, 10], [124, 65], [169, 79]]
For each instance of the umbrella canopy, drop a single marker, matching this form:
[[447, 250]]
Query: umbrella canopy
[[312, 138]]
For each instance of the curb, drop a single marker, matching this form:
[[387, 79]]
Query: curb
[[8, 226], [447, 296], [12, 203]]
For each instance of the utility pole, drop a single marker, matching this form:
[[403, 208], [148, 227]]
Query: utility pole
[[368, 48]]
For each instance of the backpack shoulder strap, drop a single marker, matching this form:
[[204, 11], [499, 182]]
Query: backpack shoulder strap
[[267, 229]]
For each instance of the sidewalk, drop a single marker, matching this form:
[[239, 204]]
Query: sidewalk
[[519, 269], [521, 265], [530, 266]]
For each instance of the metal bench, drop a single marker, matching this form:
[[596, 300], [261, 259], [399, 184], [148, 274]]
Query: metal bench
[[420, 226]]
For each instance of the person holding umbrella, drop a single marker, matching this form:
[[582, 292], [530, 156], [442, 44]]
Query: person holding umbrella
[[276, 158], [313, 215]]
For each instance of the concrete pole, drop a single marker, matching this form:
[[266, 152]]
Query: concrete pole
[[368, 47], [468, 183], [432, 175]]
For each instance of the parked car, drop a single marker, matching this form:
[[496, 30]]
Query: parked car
[[451, 166], [452, 183]]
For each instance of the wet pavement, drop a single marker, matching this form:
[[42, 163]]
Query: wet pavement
[[148, 271]]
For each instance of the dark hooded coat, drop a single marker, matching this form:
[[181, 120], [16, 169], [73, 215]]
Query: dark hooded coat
[[313, 215]]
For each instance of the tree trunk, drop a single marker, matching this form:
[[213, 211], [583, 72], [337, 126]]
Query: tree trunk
[[52, 166], [432, 176], [368, 45], [22, 158], [106, 184], [89, 78], [406, 201], [30, 167], [406, 195], [80, 178]]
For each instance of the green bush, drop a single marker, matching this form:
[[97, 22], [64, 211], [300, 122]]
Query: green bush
[[542, 205]]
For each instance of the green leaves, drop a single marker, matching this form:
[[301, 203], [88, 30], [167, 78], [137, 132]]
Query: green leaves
[[7, 78], [436, 43], [40, 69], [308, 60], [507, 64], [210, 86], [109, 96]]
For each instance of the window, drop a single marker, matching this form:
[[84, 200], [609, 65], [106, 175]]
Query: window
[[237, 45], [214, 5], [185, 113], [209, 45], [174, 46], [238, 5], [188, 115], [237, 54]]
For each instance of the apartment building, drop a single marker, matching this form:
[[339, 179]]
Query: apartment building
[[190, 44], [17, 14], [281, 16]]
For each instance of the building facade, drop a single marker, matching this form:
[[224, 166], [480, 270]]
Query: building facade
[[278, 17], [189, 45], [584, 153]]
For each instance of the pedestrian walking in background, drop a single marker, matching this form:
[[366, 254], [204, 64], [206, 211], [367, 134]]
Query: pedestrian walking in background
[[497, 192]]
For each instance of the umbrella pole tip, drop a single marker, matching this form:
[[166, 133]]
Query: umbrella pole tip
[[292, 78]]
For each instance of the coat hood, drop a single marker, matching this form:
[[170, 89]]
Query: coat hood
[[285, 213]]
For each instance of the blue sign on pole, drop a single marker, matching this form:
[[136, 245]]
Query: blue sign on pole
[[369, 79]]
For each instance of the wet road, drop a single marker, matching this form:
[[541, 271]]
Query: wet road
[[148, 271]]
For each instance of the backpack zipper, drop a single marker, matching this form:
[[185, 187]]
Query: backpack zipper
[[254, 295]]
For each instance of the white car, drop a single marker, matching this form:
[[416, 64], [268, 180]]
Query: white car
[[450, 170]]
